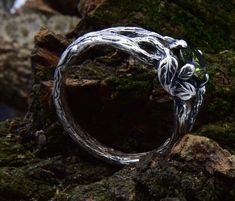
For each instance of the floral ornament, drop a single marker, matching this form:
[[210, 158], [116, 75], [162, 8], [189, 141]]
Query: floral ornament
[[183, 81]]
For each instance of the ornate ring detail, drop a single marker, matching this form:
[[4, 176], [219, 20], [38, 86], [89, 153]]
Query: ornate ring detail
[[180, 71]]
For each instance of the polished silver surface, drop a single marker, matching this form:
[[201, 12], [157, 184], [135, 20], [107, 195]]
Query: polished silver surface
[[180, 72]]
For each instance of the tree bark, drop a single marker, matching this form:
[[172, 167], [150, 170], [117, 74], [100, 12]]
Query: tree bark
[[118, 101]]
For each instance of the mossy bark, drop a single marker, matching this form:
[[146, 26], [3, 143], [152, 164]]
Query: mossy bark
[[119, 101], [188, 173], [205, 24]]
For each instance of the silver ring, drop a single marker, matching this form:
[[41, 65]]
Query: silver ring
[[180, 72]]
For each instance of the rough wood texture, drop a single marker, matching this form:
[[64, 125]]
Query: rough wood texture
[[206, 24], [16, 44], [68, 7], [39, 161], [15, 76], [197, 169], [79, 8]]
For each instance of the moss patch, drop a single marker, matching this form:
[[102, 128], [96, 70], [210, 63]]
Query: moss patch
[[220, 96], [205, 24], [223, 133]]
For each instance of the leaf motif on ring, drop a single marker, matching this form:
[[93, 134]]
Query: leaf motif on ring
[[186, 72], [166, 72], [184, 90]]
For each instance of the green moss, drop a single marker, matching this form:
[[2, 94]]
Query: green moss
[[223, 133], [127, 87], [11, 151], [17, 169], [134, 88], [205, 24], [208, 193], [15, 184], [4, 128], [118, 187], [220, 96]]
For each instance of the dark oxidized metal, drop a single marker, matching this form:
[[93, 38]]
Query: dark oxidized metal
[[180, 72]]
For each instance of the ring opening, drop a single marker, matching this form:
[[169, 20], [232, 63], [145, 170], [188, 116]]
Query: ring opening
[[118, 100]]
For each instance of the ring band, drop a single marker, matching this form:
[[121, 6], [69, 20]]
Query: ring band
[[180, 72]]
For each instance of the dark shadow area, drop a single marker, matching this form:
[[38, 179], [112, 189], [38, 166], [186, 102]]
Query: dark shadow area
[[124, 108]]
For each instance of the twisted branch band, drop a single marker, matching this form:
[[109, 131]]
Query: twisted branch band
[[180, 72]]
